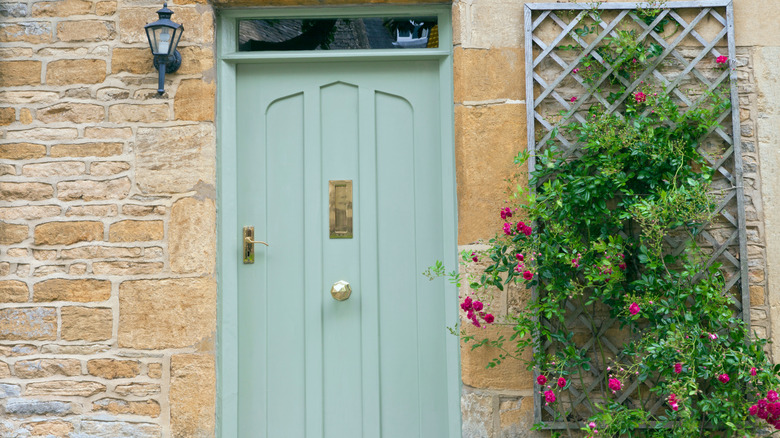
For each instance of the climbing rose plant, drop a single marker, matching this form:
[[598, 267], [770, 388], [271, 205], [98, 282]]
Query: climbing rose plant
[[592, 237]]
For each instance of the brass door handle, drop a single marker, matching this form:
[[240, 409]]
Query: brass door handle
[[249, 245]]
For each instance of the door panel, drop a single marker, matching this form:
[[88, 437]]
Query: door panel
[[375, 364]]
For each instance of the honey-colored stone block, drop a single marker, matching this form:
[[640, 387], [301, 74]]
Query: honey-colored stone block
[[107, 133], [92, 190], [13, 291], [194, 100], [482, 74], [48, 428], [129, 112], [65, 388], [25, 116], [127, 268], [135, 231], [155, 370], [195, 60], [27, 191], [7, 116], [15, 73], [757, 296], [21, 151], [13, 233], [175, 159], [193, 395], [146, 408], [67, 233], [71, 112], [198, 22], [478, 413], [61, 8], [113, 368], [171, 313], [28, 324], [39, 368], [132, 60], [510, 374], [487, 139], [43, 134], [5, 370], [15, 52], [34, 32], [75, 71], [86, 150], [57, 169], [191, 217], [78, 290], [138, 389], [105, 8], [92, 210], [100, 252], [28, 96], [85, 31], [86, 323], [108, 168], [29, 212], [493, 24]]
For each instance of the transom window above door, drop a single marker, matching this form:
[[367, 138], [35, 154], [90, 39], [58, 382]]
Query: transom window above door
[[367, 33]]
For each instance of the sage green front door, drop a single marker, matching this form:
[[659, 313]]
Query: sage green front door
[[377, 363]]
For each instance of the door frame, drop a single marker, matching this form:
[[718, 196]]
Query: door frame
[[228, 232]]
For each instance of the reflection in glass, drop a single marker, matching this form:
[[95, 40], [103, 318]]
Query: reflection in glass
[[338, 34]]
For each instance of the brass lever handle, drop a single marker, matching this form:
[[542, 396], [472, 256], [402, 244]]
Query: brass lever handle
[[249, 245], [248, 240]]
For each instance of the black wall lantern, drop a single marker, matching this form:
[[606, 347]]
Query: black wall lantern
[[163, 37]]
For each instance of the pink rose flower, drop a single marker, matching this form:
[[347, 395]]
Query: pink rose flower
[[573, 99], [771, 396], [722, 59], [528, 275], [640, 97], [633, 309], [489, 318], [549, 396], [477, 306], [753, 371], [466, 305], [724, 378], [678, 368], [615, 385], [561, 382], [541, 380], [519, 257]]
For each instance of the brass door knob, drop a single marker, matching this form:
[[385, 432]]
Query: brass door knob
[[249, 245], [341, 290]]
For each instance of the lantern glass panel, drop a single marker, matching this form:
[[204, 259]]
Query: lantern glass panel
[[161, 39]]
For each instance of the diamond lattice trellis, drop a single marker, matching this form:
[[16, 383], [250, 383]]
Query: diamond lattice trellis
[[691, 35]]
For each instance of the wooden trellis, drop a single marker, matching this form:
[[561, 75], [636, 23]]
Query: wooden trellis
[[702, 31]]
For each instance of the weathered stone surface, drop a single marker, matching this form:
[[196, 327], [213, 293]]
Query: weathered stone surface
[[27, 407], [13, 291], [28, 96], [60, 168], [5, 370], [174, 159], [44, 254], [63, 8], [477, 411], [74, 349], [35, 32], [191, 217], [7, 169], [15, 10], [518, 420], [9, 390], [486, 141], [15, 52], [143, 210], [5, 269], [138, 389], [511, 374], [113, 368], [105, 8], [100, 252], [493, 25], [166, 313], [199, 23], [25, 116], [27, 191], [91, 190], [81, 290], [49, 428], [483, 75], [28, 323], [757, 296], [29, 212], [135, 231], [129, 112], [85, 30], [126, 268], [21, 151], [18, 350], [107, 133], [67, 233], [92, 210], [131, 60], [86, 150], [193, 395], [108, 168], [48, 270], [71, 112], [194, 100], [86, 323], [75, 71], [147, 408], [15, 73], [7, 116], [43, 134], [155, 370], [116, 429], [195, 60], [65, 387], [33, 369], [112, 93], [17, 253], [77, 269], [13, 233]]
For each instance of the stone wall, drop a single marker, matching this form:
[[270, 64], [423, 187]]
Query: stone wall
[[491, 130], [107, 223]]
